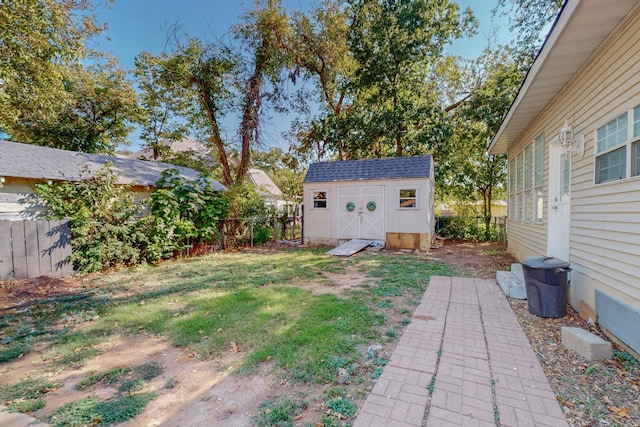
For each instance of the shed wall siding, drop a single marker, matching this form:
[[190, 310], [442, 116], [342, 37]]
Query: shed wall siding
[[320, 225], [605, 219]]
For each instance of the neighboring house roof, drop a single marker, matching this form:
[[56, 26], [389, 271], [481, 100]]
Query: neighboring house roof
[[579, 30], [190, 145], [32, 161], [262, 180], [370, 169]]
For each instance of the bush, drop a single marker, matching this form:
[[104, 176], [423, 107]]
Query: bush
[[106, 225], [102, 219]]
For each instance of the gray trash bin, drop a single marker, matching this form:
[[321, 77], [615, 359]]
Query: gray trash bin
[[546, 283]]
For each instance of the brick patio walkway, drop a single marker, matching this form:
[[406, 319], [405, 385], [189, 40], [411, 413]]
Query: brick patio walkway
[[463, 361]]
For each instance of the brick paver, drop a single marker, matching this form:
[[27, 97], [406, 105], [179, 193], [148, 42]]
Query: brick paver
[[463, 361]]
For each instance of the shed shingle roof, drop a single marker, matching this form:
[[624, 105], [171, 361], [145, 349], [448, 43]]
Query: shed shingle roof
[[32, 161], [370, 169]]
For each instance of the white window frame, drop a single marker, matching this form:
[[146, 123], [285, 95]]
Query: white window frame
[[626, 143], [400, 198], [538, 178], [526, 179], [326, 199]]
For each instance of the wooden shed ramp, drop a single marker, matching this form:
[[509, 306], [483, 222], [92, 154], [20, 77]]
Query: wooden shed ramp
[[351, 247]]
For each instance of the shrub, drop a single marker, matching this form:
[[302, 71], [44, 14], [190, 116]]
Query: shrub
[[102, 218]]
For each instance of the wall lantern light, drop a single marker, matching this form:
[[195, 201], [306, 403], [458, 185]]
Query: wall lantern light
[[569, 141]]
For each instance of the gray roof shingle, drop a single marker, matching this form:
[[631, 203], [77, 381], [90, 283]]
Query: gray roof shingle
[[32, 161], [370, 169]]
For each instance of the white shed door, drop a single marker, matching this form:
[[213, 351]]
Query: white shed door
[[361, 213]]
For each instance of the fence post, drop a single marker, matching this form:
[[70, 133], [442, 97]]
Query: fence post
[[251, 230]]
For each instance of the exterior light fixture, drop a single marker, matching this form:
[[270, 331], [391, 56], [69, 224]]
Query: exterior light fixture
[[2, 181], [569, 141]]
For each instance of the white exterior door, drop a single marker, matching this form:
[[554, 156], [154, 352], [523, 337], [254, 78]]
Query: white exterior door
[[559, 202], [361, 213]]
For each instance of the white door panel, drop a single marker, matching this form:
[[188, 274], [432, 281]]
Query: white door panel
[[366, 219]]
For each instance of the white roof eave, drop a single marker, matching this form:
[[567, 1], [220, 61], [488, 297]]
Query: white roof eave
[[580, 29]]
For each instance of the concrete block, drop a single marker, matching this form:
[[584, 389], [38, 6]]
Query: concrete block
[[511, 286], [586, 344], [516, 270]]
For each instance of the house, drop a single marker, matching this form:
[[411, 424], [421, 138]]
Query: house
[[198, 152], [389, 201], [23, 165], [572, 138], [267, 189], [193, 149]]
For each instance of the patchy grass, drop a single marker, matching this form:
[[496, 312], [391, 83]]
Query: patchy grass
[[259, 301], [27, 395], [94, 411], [281, 413]]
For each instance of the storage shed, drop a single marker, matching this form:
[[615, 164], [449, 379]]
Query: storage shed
[[389, 201]]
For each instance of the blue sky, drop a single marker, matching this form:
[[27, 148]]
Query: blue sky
[[138, 25]]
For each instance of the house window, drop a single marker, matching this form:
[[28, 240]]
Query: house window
[[320, 200], [538, 164], [616, 142], [526, 176], [635, 171], [512, 190], [528, 181], [408, 198], [519, 187]]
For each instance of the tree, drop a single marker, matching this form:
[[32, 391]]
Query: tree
[[528, 20], [160, 121], [398, 46], [39, 39], [492, 82], [99, 113], [216, 81], [382, 63], [322, 55]]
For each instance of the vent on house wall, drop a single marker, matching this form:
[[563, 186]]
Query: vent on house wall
[[619, 318]]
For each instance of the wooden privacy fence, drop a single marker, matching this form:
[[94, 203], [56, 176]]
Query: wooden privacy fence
[[34, 248]]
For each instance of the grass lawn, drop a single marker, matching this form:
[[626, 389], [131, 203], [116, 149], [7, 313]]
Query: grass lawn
[[262, 303]]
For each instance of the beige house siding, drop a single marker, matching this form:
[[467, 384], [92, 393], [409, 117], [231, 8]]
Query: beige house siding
[[605, 218], [16, 195], [14, 199], [321, 225]]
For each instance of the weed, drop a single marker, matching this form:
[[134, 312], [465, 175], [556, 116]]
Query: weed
[[592, 369], [334, 392], [493, 252], [391, 333], [108, 377], [405, 321], [385, 304], [30, 405], [379, 319], [377, 372], [27, 389], [279, 413], [628, 360], [93, 411], [129, 379], [405, 311], [432, 385], [171, 383], [14, 351], [342, 405]]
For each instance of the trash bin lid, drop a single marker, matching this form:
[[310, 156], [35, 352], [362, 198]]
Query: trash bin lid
[[545, 262]]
